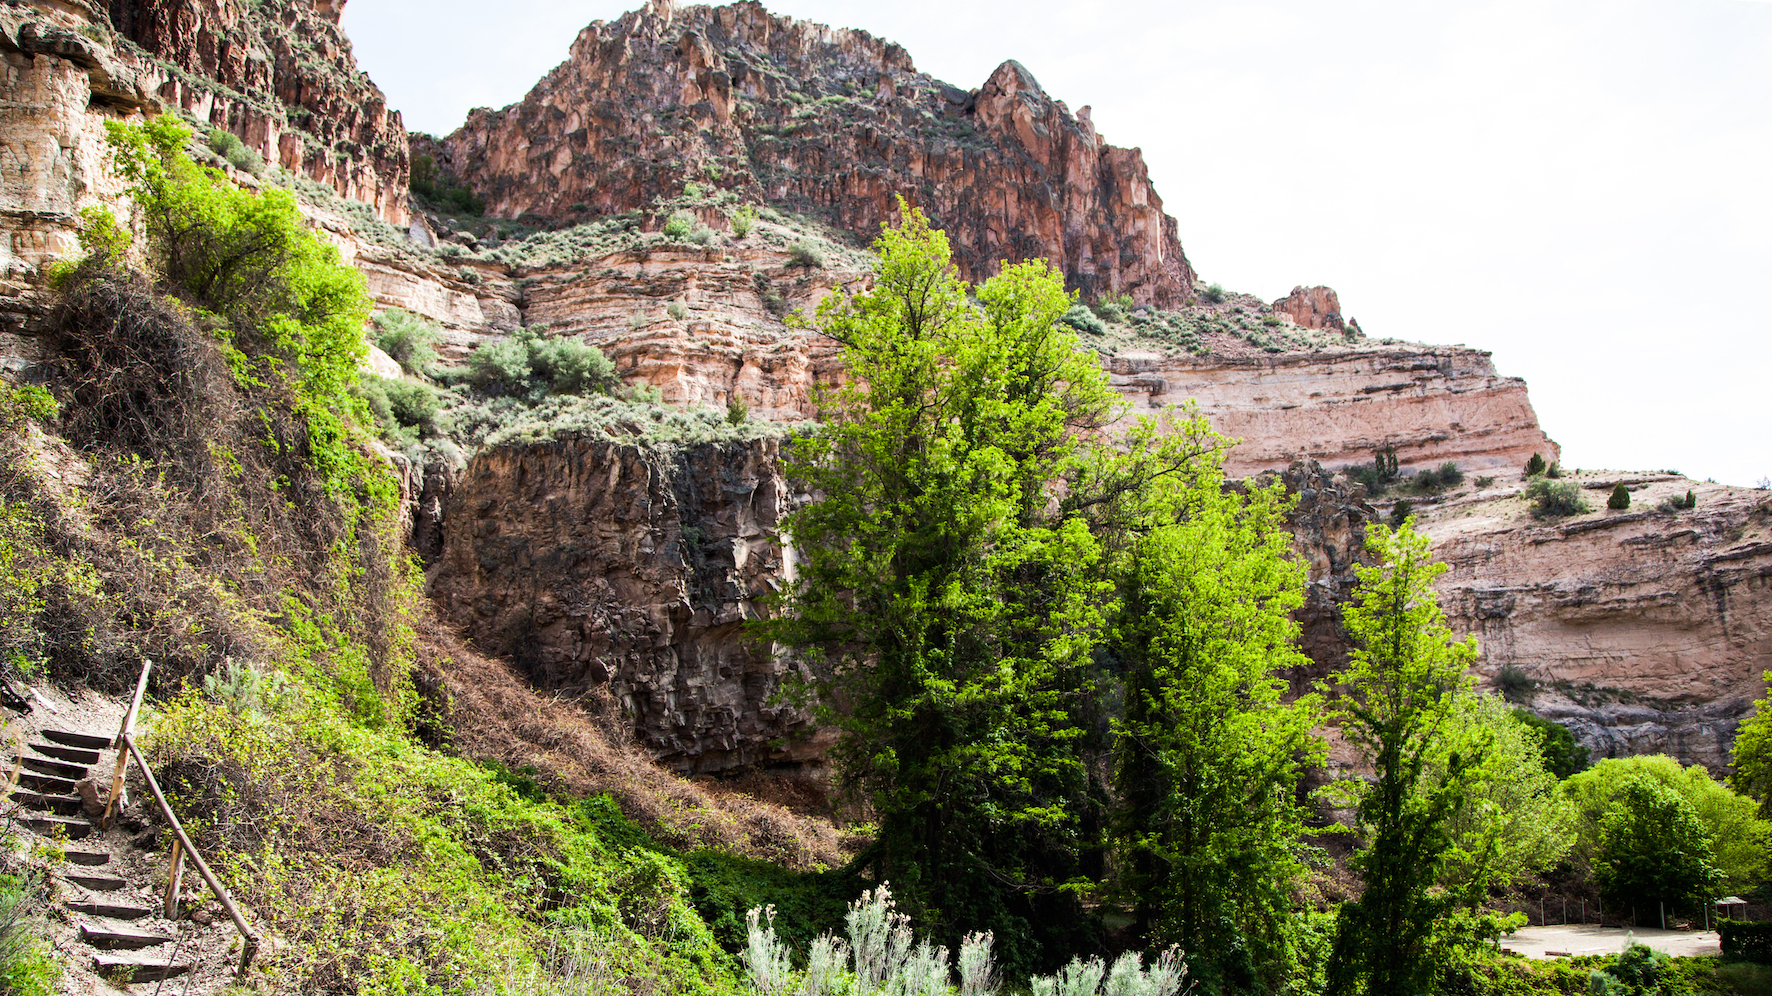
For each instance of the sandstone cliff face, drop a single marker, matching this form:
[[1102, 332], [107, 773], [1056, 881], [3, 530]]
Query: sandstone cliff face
[[836, 121], [1431, 403], [1645, 631], [590, 562]]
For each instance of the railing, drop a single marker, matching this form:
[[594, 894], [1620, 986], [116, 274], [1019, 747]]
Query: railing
[[182, 846]]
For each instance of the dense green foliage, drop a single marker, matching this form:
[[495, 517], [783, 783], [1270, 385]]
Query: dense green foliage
[[1563, 756], [1653, 849], [409, 339], [1740, 841], [945, 595], [1407, 707], [1620, 498], [1753, 754], [531, 365], [1535, 466], [1209, 754], [1555, 499], [1746, 940]]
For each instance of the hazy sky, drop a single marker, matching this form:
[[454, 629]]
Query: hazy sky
[[1583, 188]]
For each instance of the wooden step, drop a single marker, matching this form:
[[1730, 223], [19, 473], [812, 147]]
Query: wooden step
[[95, 881], [73, 755], [116, 911], [59, 769], [111, 934], [85, 740], [137, 968], [61, 805], [66, 826], [46, 783], [87, 858]]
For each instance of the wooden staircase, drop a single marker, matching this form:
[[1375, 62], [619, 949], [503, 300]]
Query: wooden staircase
[[108, 909]]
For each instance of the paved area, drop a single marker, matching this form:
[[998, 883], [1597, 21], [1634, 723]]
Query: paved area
[[1588, 939]]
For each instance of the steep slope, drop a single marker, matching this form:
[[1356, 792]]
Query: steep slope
[[824, 119]]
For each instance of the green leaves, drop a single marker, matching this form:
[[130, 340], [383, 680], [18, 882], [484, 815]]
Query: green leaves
[[1654, 849]]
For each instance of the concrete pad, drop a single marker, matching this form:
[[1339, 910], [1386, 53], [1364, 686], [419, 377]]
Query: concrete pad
[[1589, 939]]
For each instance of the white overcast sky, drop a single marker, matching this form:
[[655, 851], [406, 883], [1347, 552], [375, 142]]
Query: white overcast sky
[[1583, 187]]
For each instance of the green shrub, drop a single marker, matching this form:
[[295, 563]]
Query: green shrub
[[1554, 470], [1400, 512], [1691, 498], [1483, 483], [1555, 499], [804, 253], [1213, 294], [737, 412], [1083, 320], [529, 365], [1563, 756], [1620, 499], [702, 235], [1115, 308], [408, 338], [27, 965], [677, 310], [1747, 941], [1513, 682], [1535, 466], [1437, 479], [679, 225], [743, 220]]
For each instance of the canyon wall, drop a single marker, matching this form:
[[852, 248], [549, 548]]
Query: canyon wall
[[588, 562], [831, 121], [1643, 630]]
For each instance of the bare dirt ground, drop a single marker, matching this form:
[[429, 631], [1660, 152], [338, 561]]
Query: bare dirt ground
[[1590, 939]]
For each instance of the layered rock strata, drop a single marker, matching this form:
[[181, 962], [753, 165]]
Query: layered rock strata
[[1643, 631], [834, 121], [590, 562]]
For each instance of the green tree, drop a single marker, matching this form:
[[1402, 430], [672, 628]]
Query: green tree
[[1753, 754], [1513, 821], [1209, 755], [1654, 849], [1740, 839], [1563, 756], [1620, 499], [948, 606], [1535, 466], [1405, 707]]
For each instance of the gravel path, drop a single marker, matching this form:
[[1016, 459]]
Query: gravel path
[[1588, 939]]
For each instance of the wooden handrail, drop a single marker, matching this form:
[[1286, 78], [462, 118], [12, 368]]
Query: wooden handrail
[[246, 933], [114, 802]]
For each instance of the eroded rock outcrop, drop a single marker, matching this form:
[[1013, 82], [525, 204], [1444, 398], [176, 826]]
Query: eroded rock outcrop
[[1312, 307], [830, 120], [1644, 631], [588, 562]]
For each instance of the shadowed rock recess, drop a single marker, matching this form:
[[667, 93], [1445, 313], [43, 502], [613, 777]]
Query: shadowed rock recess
[[597, 564]]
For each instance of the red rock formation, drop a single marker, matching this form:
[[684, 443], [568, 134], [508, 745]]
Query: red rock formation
[[289, 88], [1312, 307], [834, 122]]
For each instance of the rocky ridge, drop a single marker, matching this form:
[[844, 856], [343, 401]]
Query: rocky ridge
[[830, 120]]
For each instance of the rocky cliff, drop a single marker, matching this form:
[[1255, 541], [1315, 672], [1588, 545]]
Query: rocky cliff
[[588, 562], [1644, 631], [278, 74], [833, 121]]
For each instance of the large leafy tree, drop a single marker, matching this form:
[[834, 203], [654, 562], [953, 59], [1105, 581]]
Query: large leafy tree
[[1654, 852], [1209, 756], [948, 599], [1406, 707], [1753, 754], [1740, 840]]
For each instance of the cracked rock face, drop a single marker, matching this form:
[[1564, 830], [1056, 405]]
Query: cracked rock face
[[836, 121], [1643, 631], [592, 562]]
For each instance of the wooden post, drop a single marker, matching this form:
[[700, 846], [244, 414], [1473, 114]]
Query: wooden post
[[18, 744], [250, 948], [173, 877], [141, 685]]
